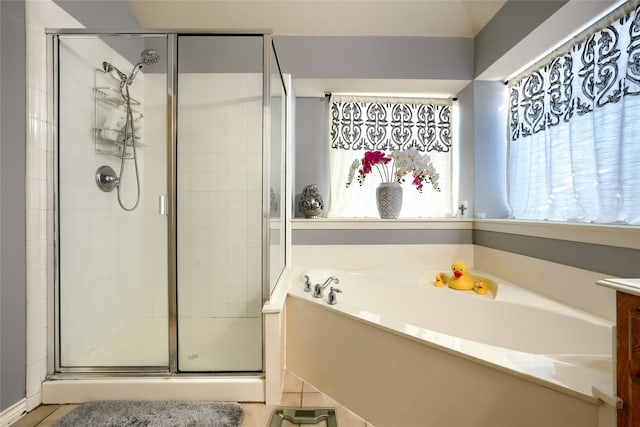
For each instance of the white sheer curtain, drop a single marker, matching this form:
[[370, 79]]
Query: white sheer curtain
[[574, 152], [359, 124]]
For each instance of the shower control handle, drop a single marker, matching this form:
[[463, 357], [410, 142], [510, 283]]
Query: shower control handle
[[106, 178]]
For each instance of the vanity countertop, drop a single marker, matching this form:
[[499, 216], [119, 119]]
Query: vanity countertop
[[629, 286]]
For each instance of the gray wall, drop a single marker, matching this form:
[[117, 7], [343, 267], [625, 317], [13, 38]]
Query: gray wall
[[451, 236], [311, 166], [465, 148], [513, 22], [101, 14], [13, 330], [610, 260], [490, 149], [376, 57]]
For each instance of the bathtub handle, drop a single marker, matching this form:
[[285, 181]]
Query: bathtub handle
[[333, 299], [317, 288], [307, 283]]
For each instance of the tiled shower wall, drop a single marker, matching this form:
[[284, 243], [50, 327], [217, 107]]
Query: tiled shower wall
[[103, 248], [154, 227], [39, 15], [219, 194]]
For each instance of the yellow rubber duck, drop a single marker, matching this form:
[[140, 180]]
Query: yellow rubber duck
[[461, 280], [440, 280], [481, 287]]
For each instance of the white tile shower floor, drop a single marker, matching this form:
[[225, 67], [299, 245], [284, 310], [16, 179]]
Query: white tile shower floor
[[204, 344]]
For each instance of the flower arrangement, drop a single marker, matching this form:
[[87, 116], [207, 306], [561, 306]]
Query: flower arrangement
[[395, 166]]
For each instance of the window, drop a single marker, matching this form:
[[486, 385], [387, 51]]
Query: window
[[574, 128], [360, 124]]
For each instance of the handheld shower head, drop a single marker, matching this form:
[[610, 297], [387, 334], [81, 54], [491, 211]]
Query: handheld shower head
[[147, 57]]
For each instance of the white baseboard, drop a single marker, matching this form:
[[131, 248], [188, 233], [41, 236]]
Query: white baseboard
[[13, 413]]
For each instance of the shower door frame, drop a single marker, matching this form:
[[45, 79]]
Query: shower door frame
[[54, 354]]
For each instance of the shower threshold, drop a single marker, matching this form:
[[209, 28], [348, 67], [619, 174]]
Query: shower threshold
[[179, 387]]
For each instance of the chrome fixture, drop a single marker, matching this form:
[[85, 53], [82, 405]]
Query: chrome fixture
[[163, 205], [317, 289], [307, 283], [333, 299], [106, 178], [147, 57]]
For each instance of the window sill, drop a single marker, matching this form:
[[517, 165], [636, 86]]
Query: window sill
[[626, 236]]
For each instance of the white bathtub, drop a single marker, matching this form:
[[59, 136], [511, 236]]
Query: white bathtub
[[511, 330]]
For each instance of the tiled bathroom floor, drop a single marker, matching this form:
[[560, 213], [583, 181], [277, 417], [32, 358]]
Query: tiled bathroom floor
[[297, 393]]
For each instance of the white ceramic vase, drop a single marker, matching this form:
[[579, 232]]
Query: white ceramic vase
[[389, 200]]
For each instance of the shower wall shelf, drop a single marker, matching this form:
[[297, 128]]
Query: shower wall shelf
[[110, 117]]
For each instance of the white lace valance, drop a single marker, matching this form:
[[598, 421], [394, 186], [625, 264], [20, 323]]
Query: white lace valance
[[376, 123]]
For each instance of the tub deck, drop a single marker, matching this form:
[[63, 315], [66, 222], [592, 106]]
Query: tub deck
[[573, 360]]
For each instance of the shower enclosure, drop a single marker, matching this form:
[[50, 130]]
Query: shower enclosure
[[169, 200]]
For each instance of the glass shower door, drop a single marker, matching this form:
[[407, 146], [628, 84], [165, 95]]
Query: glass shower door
[[112, 169], [219, 203]]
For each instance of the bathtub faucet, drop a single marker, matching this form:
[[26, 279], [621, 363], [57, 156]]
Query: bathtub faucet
[[317, 289]]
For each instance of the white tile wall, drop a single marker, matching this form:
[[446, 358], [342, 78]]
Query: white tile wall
[[102, 260], [91, 221], [219, 199], [39, 210], [155, 184]]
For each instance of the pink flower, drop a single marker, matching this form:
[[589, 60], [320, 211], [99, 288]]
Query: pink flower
[[371, 159], [404, 162], [417, 181], [375, 157]]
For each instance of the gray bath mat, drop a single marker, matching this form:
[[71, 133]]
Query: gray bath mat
[[143, 413]]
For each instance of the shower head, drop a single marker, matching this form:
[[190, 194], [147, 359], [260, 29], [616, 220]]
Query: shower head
[[147, 57]]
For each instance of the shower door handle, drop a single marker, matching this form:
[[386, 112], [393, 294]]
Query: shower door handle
[[163, 205]]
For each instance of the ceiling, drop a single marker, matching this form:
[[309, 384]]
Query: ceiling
[[417, 18], [446, 18], [434, 18]]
